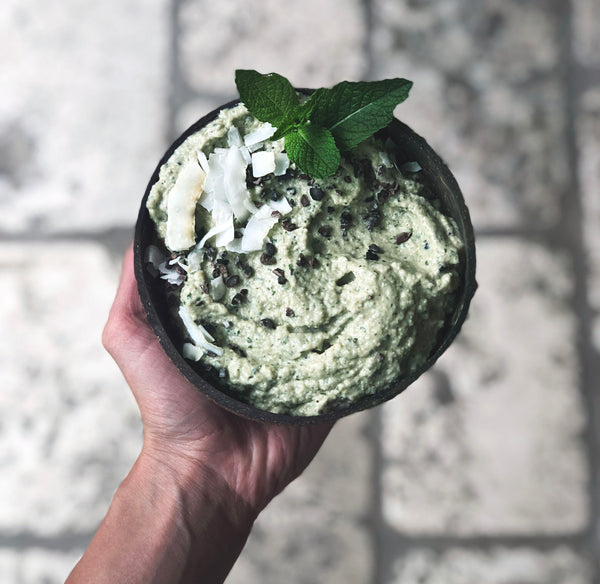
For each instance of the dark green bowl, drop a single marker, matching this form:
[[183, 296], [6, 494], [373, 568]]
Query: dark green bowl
[[411, 147]]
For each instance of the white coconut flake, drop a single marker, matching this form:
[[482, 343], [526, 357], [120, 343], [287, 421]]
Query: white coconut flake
[[217, 288], [233, 137], [258, 228], [410, 167], [263, 163], [181, 207], [153, 257], [197, 332], [282, 163], [385, 159], [246, 155], [235, 246], [235, 183], [194, 259], [171, 275], [192, 352], [203, 161], [282, 205], [262, 133]]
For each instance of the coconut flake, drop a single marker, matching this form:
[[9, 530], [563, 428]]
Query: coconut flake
[[410, 167], [171, 275], [223, 230], [181, 207], [153, 258], [179, 262], [217, 288], [246, 155], [262, 133], [258, 228], [385, 159], [194, 259], [263, 163], [233, 137], [235, 246], [197, 332], [235, 183], [192, 352], [203, 161], [282, 205], [282, 163]]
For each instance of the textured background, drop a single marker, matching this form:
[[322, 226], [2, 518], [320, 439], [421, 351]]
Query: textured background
[[486, 471]]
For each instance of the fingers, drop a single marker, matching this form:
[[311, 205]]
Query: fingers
[[126, 319]]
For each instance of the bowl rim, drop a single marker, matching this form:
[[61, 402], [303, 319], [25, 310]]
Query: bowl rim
[[226, 400]]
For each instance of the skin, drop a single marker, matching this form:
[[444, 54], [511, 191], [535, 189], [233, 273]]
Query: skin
[[185, 510]]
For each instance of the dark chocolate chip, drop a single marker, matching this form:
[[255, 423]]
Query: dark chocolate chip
[[288, 225], [304, 201], [232, 281], [316, 193], [267, 259], [268, 323], [402, 237], [270, 249]]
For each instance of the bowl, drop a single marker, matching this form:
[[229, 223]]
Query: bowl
[[441, 182]]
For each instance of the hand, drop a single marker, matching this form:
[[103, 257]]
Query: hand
[[189, 433], [187, 506]]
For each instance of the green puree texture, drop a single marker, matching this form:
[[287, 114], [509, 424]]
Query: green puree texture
[[363, 275]]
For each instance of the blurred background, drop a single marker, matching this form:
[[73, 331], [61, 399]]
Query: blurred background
[[486, 471]]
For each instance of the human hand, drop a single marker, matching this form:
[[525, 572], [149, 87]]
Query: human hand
[[189, 434], [187, 506]]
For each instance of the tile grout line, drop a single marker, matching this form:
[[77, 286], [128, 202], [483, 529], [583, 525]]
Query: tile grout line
[[574, 215], [482, 542], [174, 74], [368, 11], [377, 524]]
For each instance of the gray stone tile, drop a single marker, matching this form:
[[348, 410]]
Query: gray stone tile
[[589, 180], [586, 40], [36, 566], [496, 566], [219, 37], [316, 530], [486, 96], [83, 122], [70, 430], [489, 442]]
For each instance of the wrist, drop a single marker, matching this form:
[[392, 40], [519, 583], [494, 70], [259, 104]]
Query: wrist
[[212, 521]]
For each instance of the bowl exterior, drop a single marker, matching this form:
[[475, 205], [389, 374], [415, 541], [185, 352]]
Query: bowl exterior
[[411, 147]]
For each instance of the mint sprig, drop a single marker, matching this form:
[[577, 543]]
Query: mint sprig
[[328, 122]]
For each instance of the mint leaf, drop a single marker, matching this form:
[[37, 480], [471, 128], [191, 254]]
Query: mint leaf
[[329, 121], [269, 98], [313, 150], [353, 111]]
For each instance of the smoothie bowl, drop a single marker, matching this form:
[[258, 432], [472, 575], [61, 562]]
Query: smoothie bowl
[[291, 285]]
